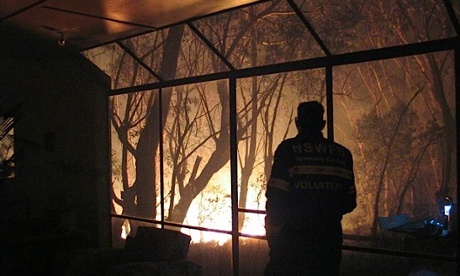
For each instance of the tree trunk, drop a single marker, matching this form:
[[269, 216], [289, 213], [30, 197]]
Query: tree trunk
[[150, 136], [218, 159]]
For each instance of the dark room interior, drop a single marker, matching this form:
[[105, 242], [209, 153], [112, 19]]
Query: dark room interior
[[121, 117]]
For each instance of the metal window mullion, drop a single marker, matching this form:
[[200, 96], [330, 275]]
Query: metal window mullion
[[162, 186], [457, 107], [329, 103], [234, 175], [452, 16], [211, 46], [305, 64], [309, 27], [138, 60]]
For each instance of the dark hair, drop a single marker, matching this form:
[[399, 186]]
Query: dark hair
[[310, 114]]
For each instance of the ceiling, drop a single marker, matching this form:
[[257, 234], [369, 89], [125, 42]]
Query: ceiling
[[85, 24]]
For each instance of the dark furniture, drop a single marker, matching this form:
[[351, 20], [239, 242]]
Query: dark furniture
[[152, 251]]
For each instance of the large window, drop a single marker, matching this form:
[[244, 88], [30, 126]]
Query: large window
[[198, 109], [7, 162], [400, 126]]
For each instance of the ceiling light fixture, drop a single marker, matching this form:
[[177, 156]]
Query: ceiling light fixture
[[61, 41]]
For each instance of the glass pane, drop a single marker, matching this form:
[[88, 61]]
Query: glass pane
[[253, 224], [214, 258], [355, 25], [196, 58], [261, 34], [135, 169], [267, 107], [193, 57], [253, 256], [397, 117], [123, 69], [148, 47], [105, 57], [196, 152]]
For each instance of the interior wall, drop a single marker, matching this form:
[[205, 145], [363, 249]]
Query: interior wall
[[59, 103]]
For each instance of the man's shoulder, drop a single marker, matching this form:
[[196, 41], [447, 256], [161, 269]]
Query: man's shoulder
[[335, 144], [343, 148], [285, 145], [338, 144], [288, 142]]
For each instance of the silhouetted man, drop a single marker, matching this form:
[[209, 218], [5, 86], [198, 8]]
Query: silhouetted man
[[310, 188]]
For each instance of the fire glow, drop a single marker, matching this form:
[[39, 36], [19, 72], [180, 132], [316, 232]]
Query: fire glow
[[212, 210]]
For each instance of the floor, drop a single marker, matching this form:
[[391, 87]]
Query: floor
[[372, 264]]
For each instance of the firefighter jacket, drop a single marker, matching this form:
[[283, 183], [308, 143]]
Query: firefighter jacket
[[311, 186]]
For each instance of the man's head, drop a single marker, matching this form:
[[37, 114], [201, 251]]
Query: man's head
[[310, 116]]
